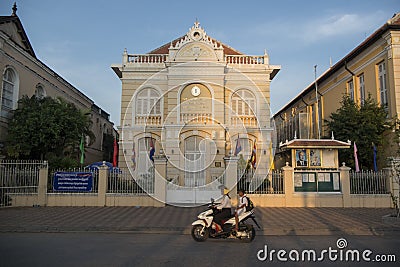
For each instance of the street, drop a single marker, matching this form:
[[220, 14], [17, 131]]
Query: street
[[130, 249]]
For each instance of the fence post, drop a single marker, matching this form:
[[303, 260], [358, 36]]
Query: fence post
[[102, 186], [231, 176], [345, 183], [288, 180], [393, 184], [160, 182], [42, 186]]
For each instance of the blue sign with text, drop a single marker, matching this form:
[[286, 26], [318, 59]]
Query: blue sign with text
[[73, 181]]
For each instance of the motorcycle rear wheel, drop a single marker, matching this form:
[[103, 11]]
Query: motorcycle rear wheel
[[198, 234], [251, 234]]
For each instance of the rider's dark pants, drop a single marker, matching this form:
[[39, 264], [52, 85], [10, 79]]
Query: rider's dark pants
[[223, 215]]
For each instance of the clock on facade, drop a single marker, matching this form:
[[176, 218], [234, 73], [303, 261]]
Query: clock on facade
[[195, 91]]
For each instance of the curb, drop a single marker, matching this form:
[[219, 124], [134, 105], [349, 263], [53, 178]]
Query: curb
[[187, 231]]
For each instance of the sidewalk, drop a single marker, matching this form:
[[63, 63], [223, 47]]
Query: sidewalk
[[273, 221]]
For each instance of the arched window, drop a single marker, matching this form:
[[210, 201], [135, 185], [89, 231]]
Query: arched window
[[243, 103], [9, 93], [40, 92], [148, 103]]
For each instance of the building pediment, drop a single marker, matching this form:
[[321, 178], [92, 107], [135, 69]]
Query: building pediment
[[12, 27], [196, 46]]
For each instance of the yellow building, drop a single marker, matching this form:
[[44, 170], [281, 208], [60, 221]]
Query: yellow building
[[24, 74], [372, 68], [196, 101]]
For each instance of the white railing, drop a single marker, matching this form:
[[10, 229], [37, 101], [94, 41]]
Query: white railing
[[148, 120], [244, 120], [122, 182], [244, 59], [197, 118], [254, 184], [230, 59], [18, 177], [369, 182], [147, 58]]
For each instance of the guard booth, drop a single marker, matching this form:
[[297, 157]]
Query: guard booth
[[315, 162]]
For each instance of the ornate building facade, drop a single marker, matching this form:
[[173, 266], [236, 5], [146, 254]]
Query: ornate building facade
[[198, 102]]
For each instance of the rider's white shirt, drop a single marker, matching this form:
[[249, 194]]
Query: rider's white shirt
[[225, 203], [242, 200]]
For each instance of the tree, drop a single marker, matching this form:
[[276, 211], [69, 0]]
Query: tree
[[47, 128], [364, 124]]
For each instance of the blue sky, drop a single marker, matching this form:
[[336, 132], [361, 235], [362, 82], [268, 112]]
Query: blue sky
[[81, 39]]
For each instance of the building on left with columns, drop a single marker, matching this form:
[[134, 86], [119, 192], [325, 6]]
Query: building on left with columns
[[24, 74]]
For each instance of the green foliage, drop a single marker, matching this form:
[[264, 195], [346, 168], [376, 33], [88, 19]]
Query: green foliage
[[47, 128], [364, 125]]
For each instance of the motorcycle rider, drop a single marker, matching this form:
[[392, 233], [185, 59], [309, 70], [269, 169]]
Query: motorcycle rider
[[241, 208], [224, 209]]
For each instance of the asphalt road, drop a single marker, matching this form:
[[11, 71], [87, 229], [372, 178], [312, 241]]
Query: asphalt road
[[129, 249]]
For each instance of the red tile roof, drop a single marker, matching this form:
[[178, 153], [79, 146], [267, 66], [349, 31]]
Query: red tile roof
[[315, 143]]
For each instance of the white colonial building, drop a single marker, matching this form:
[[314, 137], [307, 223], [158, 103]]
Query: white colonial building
[[198, 102]]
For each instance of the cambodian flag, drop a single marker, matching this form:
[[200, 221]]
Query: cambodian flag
[[238, 147], [152, 150]]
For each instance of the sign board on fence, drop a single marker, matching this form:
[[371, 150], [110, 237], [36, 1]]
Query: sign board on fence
[[73, 181]]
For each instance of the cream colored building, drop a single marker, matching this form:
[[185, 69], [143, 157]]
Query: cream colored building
[[24, 74], [194, 100], [373, 67]]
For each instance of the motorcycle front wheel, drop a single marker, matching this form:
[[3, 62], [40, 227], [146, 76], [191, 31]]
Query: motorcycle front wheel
[[199, 234]]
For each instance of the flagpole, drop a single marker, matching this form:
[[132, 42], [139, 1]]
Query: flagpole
[[317, 107]]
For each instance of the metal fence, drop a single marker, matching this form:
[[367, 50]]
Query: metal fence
[[122, 182], [95, 181], [18, 178], [273, 183], [370, 182]]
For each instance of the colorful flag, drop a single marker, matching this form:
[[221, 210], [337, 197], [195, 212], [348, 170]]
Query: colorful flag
[[82, 149], [356, 158], [271, 157], [375, 151], [238, 147], [152, 150], [133, 157], [115, 154], [253, 158]]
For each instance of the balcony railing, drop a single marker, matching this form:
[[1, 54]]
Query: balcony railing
[[196, 118], [147, 58], [230, 59], [243, 59], [244, 120], [148, 120]]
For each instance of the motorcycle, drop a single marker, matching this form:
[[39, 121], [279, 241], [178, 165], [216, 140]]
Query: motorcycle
[[204, 227]]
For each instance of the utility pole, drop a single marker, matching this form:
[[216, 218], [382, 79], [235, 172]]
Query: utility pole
[[317, 106]]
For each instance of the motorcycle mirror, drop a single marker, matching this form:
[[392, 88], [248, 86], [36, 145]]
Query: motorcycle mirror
[[212, 200]]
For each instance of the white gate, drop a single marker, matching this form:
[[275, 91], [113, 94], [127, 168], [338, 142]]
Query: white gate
[[190, 196]]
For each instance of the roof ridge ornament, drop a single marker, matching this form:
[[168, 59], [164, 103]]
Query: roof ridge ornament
[[14, 9]]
